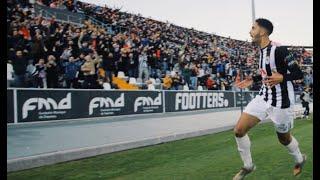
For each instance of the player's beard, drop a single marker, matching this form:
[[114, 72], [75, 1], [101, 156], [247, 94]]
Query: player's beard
[[255, 41]]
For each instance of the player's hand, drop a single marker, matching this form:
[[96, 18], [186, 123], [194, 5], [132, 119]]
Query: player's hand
[[274, 79], [245, 83]]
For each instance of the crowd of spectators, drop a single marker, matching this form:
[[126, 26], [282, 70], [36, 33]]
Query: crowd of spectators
[[45, 53]]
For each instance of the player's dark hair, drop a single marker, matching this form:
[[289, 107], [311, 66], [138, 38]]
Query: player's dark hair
[[266, 24]]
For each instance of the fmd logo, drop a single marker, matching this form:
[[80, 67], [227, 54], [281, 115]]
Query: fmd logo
[[147, 103], [48, 104], [101, 102]]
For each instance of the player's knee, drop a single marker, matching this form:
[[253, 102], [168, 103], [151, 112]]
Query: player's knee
[[284, 140], [239, 132]]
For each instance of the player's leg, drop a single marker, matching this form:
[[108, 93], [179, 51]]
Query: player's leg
[[292, 145], [245, 123], [283, 119], [252, 115], [290, 142]]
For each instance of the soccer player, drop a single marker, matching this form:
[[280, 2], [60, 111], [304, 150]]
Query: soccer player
[[275, 99]]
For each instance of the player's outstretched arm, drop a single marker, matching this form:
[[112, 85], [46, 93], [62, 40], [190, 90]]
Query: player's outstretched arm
[[245, 83]]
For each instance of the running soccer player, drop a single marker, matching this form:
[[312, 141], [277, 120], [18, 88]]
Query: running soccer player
[[275, 99]]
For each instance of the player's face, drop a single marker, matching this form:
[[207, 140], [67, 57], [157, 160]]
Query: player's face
[[255, 33]]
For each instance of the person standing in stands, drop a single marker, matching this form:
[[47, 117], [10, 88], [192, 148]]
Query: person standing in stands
[[153, 62], [40, 75], [71, 72], [108, 65], [305, 99], [10, 73], [143, 66], [133, 65], [89, 71], [19, 64], [52, 72]]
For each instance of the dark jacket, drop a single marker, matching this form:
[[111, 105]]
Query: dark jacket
[[108, 64], [71, 69], [19, 65]]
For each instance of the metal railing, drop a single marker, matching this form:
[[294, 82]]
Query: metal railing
[[111, 29], [60, 15], [65, 16]]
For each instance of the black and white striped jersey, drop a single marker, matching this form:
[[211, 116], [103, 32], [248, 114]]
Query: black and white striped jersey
[[276, 59]]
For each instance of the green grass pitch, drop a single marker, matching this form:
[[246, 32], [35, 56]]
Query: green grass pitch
[[207, 157]]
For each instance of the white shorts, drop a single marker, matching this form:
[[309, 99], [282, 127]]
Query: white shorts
[[281, 118]]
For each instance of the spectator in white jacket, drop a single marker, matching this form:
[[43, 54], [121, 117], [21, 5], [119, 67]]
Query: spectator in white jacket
[[143, 66], [10, 73]]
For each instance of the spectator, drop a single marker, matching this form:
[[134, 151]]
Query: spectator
[[219, 80], [232, 71], [227, 83], [24, 31], [307, 79], [193, 77], [186, 73], [176, 81], [67, 52], [88, 68], [204, 66], [15, 40], [220, 68], [10, 73], [305, 99], [123, 63], [153, 64], [37, 50], [133, 65], [71, 72], [209, 83], [54, 4], [214, 69], [70, 5], [200, 70], [164, 62], [143, 66], [29, 75], [167, 82], [40, 75], [52, 72], [108, 65], [19, 64]]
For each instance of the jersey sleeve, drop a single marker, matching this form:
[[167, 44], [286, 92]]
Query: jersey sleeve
[[285, 61]]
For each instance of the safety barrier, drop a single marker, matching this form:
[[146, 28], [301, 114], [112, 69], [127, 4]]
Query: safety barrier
[[30, 104], [65, 16], [61, 15]]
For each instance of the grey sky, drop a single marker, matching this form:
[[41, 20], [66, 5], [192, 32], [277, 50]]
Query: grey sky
[[292, 19]]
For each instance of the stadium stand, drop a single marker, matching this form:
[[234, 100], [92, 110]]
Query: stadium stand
[[58, 53]]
